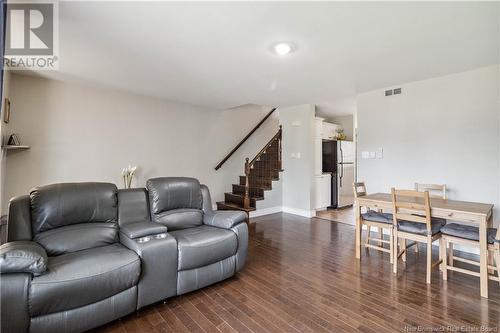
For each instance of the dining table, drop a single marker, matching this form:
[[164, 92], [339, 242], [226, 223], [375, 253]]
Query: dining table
[[479, 214]]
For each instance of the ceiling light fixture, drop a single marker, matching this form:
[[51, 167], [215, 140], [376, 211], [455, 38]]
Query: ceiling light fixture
[[282, 48]]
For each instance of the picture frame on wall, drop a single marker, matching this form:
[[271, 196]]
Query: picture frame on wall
[[6, 111]]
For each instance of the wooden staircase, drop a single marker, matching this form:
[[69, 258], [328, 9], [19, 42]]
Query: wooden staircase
[[259, 175]]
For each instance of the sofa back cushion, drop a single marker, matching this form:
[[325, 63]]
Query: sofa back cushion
[[77, 237], [175, 202], [73, 216], [133, 206]]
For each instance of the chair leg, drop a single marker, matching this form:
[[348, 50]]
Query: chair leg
[[403, 246], [380, 235], [497, 260], [391, 247], [429, 260], [442, 249], [395, 253], [450, 254], [491, 262], [368, 231]]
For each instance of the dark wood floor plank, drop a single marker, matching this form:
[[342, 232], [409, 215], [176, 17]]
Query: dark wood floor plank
[[199, 318], [301, 275]]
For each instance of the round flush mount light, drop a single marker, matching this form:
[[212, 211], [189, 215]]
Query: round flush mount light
[[282, 48]]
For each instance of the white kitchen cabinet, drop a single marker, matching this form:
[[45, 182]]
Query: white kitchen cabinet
[[318, 127], [322, 191], [329, 131], [318, 156]]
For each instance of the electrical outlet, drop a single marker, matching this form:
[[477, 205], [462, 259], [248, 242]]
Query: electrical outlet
[[380, 153], [397, 91], [365, 155], [372, 154], [388, 92]]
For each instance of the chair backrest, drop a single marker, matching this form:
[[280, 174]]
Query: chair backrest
[[439, 189], [413, 206], [175, 202], [359, 189], [70, 217]]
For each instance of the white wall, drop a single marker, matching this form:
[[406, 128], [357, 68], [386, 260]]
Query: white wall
[[4, 133], [441, 130], [79, 133], [298, 137]]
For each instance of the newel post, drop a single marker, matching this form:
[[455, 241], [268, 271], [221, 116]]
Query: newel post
[[246, 200], [279, 148]]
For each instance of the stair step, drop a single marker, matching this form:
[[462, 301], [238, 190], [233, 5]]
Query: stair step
[[240, 198], [265, 182], [255, 191], [221, 205]]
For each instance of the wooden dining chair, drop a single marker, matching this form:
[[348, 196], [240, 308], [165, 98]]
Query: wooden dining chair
[[435, 191], [378, 219], [456, 233], [412, 221]]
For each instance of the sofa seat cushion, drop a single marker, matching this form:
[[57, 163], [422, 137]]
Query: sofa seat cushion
[[467, 232], [84, 277], [203, 246], [421, 228], [377, 217]]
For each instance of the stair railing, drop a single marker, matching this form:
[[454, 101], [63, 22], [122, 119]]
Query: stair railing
[[249, 164], [244, 139]]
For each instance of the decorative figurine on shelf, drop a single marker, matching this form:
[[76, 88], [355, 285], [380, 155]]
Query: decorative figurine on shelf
[[14, 140], [128, 175], [340, 134]]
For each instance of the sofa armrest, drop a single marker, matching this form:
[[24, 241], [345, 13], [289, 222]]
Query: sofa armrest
[[158, 266], [142, 229], [225, 219], [23, 257], [14, 317]]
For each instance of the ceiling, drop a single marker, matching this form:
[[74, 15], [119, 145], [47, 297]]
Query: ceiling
[[217, 54]]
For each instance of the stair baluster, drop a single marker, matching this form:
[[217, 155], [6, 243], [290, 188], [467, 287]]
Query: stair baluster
[[246, 200]]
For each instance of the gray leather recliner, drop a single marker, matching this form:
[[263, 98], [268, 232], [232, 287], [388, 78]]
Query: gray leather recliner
[[85, 277], [83, 254], [212, 245]]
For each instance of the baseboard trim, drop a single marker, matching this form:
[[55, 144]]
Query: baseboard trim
[[266, 211], [300, 212]]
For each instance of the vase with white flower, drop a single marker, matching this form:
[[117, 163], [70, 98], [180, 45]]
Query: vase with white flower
[[128, 175]]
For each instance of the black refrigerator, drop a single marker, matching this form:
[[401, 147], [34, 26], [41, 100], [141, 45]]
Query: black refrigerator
[[338, 159]]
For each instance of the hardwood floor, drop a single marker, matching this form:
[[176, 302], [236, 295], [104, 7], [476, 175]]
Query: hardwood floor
[[342, 215], [302, 276]]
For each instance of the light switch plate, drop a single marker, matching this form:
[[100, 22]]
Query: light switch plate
[[372, 154], [365, 155], [380, 153]]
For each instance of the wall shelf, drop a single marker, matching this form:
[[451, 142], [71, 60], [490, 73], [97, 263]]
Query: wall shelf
[[15, 147]]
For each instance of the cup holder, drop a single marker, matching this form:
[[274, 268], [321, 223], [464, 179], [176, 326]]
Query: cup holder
[[160, 236], [144, 239]]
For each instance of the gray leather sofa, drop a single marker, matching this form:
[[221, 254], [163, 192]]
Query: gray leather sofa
[[83, 254]]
